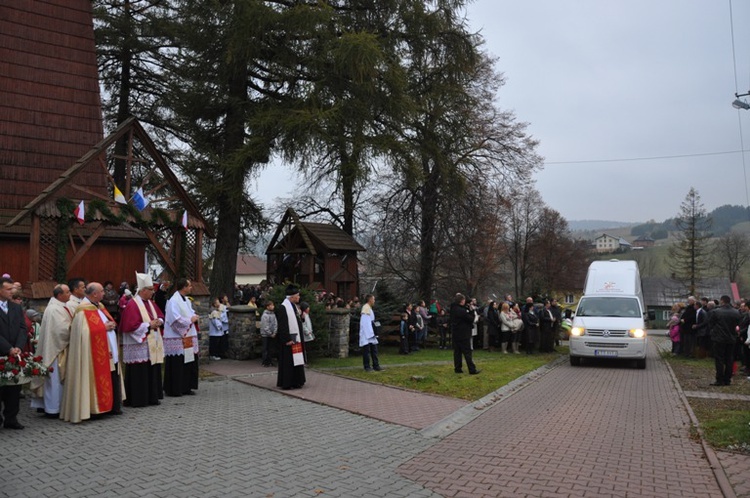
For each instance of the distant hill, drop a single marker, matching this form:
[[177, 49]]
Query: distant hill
[[724, 219], [589, 225]]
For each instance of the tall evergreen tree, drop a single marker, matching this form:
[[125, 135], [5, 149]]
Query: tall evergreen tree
[[456, 134], [131, 41], [690, 254]]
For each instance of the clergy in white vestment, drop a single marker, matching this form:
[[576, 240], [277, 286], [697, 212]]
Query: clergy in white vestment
[[54, 336], [77, 293], [142, 345], [180, 342]]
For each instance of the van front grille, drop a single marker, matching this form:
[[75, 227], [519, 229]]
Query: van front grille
[[603, 333]]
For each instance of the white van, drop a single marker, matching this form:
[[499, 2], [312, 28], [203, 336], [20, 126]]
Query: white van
[[610, 320]]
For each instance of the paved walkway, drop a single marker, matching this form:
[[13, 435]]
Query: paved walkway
[[398, 406], [607, 430]]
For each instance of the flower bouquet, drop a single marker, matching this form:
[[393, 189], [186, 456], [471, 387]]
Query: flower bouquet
[[19, 369]]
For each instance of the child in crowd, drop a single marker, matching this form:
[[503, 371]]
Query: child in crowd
[[215, 332], [404, 333], [268, 328]]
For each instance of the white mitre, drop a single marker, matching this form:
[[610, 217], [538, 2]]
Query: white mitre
[[143, 280]]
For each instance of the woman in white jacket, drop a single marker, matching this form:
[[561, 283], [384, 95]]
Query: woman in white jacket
[[368, 340], [510, 324]]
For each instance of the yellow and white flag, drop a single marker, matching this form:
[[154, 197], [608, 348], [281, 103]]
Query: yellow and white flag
[[119, 198]]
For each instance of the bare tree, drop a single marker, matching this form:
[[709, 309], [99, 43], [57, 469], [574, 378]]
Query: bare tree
[[731, 252], [647, 263], [522, 216]]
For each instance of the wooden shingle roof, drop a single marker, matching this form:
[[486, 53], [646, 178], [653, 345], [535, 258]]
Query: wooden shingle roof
[[50, 113], [316, 237], [332, 237]]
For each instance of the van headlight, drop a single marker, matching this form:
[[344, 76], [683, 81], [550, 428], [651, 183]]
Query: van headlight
[[637, 333], [578, 331]]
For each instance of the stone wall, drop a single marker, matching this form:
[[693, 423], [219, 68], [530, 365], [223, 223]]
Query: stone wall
[[338, 332], [244, 337]]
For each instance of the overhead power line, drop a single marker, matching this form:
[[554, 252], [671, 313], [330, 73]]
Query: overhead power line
[[650, 158]]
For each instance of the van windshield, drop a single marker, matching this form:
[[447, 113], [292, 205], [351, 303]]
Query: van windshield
[[608, 306]]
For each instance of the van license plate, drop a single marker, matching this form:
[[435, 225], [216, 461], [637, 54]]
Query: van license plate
[[606, 354]]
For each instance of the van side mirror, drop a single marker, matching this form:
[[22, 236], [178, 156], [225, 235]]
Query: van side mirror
[[651, 315]]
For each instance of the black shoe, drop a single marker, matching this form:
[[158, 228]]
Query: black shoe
[[368, 369], [459, 371], [716, 384], [377, 369], [13, 425], [40, 410], [189, 393], [475, 372]]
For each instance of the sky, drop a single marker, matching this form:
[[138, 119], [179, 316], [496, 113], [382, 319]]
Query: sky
[[602, 82]]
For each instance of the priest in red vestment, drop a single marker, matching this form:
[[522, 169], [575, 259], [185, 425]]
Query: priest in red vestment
[[142, 346], [92, 380]]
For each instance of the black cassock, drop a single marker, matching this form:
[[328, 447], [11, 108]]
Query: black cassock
[[289, 377]]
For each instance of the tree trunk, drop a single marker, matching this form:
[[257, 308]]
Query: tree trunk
[[428, 222], [233, 173]]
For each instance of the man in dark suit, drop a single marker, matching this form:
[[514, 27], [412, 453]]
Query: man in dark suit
[[12, 340], [462, 322]]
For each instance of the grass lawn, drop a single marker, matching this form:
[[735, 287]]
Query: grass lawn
[[431, 370], [725, 423]]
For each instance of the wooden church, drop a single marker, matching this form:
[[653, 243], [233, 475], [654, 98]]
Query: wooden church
[[55, 158]]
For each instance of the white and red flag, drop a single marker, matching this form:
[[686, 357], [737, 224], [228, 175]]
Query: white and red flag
[[80, 213]]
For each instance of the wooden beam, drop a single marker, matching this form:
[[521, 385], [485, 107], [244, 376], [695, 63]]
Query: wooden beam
[[91, 192], [106, 170], [129, 165], [133, 159], [162, 252], [199, 255], [34, 246], [85, 247]]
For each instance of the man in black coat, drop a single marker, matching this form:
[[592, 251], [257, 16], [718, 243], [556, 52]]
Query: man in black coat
[[724, 324], [462, 323], [289, 336], [687, 332], [12, 340]]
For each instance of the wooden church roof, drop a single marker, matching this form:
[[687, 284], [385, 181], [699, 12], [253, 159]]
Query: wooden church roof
[[50, 111]]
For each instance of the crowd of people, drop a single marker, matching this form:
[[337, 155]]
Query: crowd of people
[[504, 326], [108, 347], [717, 328], [104, 349]]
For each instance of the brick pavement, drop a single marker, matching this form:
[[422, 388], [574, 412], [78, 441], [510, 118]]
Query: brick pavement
[[596, 430], [231, 439], [544, 438]]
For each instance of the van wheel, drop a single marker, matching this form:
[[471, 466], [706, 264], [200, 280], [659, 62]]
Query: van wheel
[[641, 364], [575, 360]]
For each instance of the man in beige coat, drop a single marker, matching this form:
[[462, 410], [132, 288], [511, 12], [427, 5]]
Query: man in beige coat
[[54, 335]]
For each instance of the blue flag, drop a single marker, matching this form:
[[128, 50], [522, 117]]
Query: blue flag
[[140, 200]]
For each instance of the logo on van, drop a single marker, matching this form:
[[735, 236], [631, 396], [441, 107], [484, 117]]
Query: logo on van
[[606, 333], [609, 285]]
